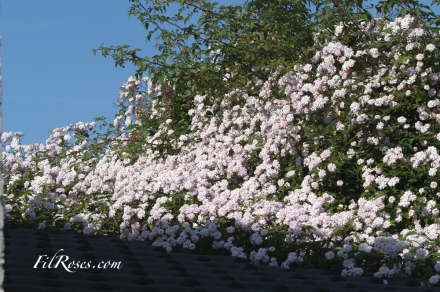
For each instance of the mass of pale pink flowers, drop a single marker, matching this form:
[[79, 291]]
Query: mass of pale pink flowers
[[329, 163]]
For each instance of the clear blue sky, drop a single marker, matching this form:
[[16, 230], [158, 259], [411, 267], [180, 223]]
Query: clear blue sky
[[50, 76]]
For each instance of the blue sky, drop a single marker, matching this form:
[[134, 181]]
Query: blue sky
[[50, 76]]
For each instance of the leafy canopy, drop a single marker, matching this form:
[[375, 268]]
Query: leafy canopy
[[210, 49]]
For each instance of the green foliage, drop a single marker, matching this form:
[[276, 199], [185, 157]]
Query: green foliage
[[221, 50], [210, 49]]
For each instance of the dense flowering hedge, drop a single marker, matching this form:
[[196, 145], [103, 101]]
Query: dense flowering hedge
[[332, 165]]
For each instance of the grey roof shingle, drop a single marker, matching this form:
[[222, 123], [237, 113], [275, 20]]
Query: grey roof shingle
[[149, 268]]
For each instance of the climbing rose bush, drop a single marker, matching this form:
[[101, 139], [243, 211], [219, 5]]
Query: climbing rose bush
[[333, 165]]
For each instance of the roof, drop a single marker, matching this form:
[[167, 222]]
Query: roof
[[143, 267]]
